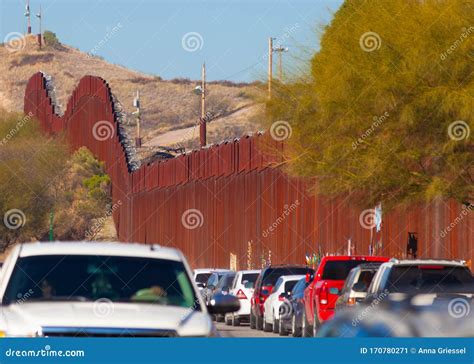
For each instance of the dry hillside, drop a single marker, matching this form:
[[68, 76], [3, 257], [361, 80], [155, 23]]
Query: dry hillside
[[166, 105]]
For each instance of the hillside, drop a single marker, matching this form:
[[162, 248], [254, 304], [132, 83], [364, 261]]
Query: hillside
[[166, 105]]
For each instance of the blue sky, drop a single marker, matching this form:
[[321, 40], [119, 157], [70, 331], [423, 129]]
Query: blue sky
[[149, 36]]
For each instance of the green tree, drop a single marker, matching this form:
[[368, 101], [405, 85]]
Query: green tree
[[38, 175], [386, 111]]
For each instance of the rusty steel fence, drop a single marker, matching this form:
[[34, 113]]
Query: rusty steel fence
[[233, 201]]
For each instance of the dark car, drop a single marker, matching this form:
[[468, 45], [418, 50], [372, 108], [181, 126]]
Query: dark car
[[264, 286], [223, 287], [431, 277], [292, 310], [211, 284], [356, 285]]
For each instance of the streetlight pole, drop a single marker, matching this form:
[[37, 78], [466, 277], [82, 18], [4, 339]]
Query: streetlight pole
[[28, 16], [40, 35], [202, 124], [136, 103], [270, 66]]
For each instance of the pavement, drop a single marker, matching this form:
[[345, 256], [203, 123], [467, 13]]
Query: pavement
[[243, 330]]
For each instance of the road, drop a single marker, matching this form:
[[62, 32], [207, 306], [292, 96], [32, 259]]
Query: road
[[242, 331]]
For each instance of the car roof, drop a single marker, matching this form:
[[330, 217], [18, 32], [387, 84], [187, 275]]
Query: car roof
[[99, 248], [209, 270], [368, 258], [454, 263], [249, 271], [292, 277]]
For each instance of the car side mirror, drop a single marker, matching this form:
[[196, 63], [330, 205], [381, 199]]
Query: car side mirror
[[223, 303], [284, 295], [199, 285], [334, 290], [359, 287]]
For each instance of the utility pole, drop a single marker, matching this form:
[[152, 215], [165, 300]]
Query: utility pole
[[203, 121], [270, 66], [280, 51], [40, 35], [28, 16], [136, 103]]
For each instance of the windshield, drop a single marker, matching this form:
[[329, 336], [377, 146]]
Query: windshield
[[250, 277], [339, 269], [226, 281], [274, 273], [89, 278], [202, 277], [437, 279]]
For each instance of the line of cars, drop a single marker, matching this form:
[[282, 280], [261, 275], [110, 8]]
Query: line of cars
[[344, 293]]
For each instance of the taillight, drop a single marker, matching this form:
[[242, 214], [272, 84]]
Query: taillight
[[351, 301], [241, 295], [323, 296], [281, 298]]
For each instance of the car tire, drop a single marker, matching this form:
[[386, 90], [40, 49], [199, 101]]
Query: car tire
[[267, 327], [306, 330], [228, 320], [276, 325], [281, 329], [295, 330], [259, 322], [252, 321], [316, 325], [235, 321]]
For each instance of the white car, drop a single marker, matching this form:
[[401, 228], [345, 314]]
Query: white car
[[276, 303], [242, 288], [102, 289], [201, 275]]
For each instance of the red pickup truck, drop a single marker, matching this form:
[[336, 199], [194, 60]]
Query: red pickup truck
[[321, 294]]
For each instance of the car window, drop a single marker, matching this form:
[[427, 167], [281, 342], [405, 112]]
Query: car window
[[299, 287], [339, 269], [89, 278], [225, 281], [273, 274], [213, 279], [428, 279], [349, 280], [289, 286], [202, 277], [277, 284], [366, 277], [249, 277]]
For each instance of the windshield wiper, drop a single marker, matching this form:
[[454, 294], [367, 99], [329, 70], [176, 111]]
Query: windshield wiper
[[60, 298]]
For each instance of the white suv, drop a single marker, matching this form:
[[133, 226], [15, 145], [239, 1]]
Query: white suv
[[277, 304], [242, 288], [102, 289]]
